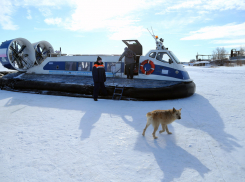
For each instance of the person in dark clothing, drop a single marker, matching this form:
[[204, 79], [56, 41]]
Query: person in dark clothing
[[130, 59], [99, 78]]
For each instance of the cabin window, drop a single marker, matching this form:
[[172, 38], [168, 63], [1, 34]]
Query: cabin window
[[163, 56], [113, 67], [71, 66], [175, 58], [152, 55], [84, 66], [110, 67]]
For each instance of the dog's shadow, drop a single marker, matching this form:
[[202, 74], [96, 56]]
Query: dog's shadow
[[197, 113], [171, 158]]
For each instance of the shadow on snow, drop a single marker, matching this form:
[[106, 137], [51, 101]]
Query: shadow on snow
[[197, 113]]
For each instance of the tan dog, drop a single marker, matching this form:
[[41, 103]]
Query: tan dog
[[163, 117]]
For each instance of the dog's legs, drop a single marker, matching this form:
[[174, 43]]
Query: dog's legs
[[167, 130], [154, 132], [147, 124], [163, 128]]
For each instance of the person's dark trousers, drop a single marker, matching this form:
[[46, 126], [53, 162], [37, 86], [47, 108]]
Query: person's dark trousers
[[130, 70], [97, 87]]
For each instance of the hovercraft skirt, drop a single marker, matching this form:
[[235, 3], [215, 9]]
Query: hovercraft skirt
[[78, 85]]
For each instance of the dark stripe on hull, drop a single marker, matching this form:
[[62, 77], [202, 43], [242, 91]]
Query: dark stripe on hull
[[165, 90]]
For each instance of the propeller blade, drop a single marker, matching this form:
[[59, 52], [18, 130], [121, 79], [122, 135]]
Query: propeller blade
[[20, 65], [22, 48], [15, 46], [40, 58], [13, 49], [14, 59], [45, 52], [38, 48], [15, 53], [44, 49], [21, 60], [18, 59], [39, 54]]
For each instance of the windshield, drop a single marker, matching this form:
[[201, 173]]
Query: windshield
[[175, 58]]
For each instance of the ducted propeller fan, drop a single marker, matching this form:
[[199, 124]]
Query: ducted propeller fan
[[42, 50], [17, 54]]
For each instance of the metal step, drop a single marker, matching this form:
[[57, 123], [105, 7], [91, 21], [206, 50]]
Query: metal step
[[118, 94]]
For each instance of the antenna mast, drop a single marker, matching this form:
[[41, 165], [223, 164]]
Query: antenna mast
[[152, 34], [152, 31], [159, 44]]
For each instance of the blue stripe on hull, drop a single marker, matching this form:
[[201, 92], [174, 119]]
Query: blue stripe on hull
[[58, 67], [169, 72], [63, 72], [55, 66], [61, 65]]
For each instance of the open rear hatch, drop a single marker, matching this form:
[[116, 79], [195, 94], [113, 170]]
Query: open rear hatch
[[134, 45]]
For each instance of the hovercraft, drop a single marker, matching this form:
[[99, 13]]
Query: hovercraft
[[158, 75]]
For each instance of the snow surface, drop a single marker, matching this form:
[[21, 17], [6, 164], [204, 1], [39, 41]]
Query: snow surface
[[2, 68], [55, 138]]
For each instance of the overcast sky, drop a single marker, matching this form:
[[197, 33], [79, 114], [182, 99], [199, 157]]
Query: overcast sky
[[97, 27]]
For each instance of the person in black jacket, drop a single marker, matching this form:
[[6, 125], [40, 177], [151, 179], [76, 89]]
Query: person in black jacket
[[99, 78]]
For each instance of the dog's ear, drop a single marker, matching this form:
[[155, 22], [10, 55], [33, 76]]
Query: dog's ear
[[180, 109], [174, 109]]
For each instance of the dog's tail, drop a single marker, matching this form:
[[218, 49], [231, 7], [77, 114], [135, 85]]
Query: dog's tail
[[149, 118], [149, 114]]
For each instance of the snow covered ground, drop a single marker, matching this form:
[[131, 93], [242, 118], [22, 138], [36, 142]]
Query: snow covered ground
[[54, 138], [3, 68]]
